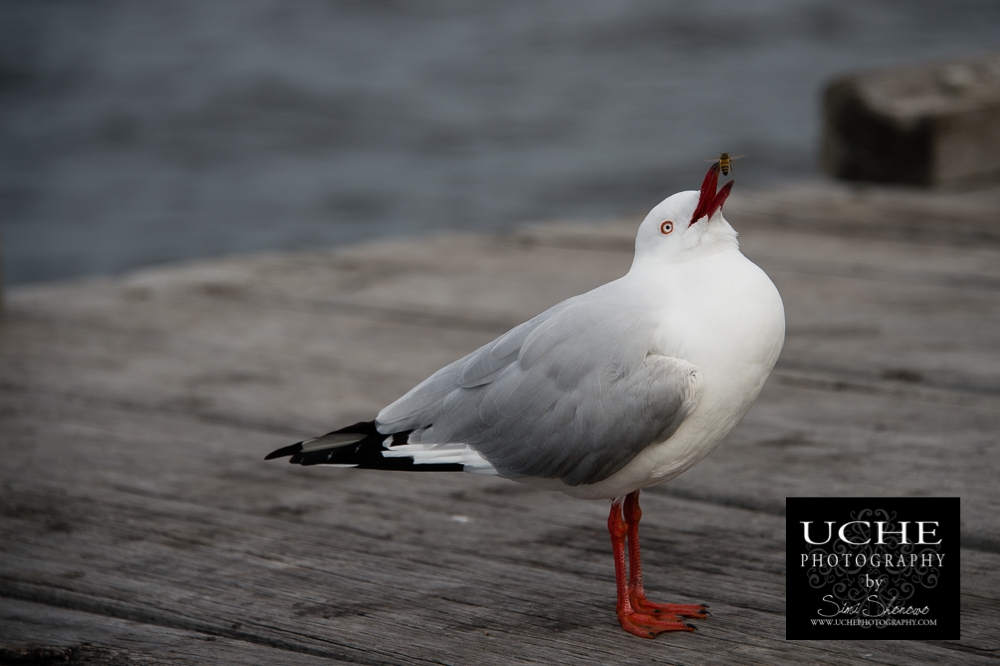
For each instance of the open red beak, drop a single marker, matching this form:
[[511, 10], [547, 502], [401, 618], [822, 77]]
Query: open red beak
[[710, 202]]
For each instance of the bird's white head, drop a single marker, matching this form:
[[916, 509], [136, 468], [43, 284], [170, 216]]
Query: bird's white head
[[687, 224]]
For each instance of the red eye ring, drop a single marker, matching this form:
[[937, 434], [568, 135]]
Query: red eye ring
[[666, 227]]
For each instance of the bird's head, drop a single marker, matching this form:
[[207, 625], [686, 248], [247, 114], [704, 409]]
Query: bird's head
[[687, 224]]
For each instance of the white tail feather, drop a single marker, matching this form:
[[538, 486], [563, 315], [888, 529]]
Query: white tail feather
[[438, 454]]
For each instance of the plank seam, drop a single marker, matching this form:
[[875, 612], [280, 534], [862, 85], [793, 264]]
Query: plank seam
[[40, 595]]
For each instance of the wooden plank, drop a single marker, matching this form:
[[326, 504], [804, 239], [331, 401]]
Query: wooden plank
[[136, 411], [938, 219], [334, 562], [804, 441], [333, 368], [42, 634], [838, 323]]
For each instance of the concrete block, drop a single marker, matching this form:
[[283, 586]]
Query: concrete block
[[929, 125]]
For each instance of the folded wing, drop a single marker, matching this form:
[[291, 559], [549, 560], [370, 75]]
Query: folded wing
[[573, 394]]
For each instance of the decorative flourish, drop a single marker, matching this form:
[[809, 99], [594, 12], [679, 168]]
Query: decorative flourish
[[869, 579]]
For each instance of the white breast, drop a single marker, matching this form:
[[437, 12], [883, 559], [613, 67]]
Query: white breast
[[724, 315]]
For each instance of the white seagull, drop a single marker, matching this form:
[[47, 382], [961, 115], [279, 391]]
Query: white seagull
[[606, 393]]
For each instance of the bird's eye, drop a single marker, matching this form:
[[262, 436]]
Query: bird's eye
[[666, 227]]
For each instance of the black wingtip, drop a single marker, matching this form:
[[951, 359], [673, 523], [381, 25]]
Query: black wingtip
[[364, 453], [284, 451], [366, 428]]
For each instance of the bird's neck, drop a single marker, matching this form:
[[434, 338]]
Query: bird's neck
[[709, 248]]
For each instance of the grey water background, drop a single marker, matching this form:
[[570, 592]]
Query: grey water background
[[136, 132]]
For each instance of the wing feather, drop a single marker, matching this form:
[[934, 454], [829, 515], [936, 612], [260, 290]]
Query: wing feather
[[560, 396]]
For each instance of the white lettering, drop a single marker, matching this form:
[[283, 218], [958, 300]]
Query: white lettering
[[921, 533], [882, 532], [829, 532]]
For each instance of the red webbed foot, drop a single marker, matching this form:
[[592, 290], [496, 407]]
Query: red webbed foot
[[647, 626], [647, 607]]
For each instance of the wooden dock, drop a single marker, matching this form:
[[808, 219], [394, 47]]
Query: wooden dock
[[140, 524]]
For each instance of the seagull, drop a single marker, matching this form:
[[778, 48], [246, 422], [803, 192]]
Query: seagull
[[609, 392]]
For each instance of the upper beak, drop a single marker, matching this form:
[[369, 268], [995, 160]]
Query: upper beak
[[710, 202]]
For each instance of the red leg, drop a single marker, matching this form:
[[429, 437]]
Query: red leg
[[637, 595], [633, 621]]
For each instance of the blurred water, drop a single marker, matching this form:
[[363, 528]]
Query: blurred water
[[136, 132]]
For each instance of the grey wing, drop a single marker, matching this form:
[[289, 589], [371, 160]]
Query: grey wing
[[561, 396], [426, 402]]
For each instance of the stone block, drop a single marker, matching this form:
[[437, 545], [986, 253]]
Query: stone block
[[927, 125]]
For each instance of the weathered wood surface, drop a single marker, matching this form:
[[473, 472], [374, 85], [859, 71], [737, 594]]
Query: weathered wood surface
[[141, 525]]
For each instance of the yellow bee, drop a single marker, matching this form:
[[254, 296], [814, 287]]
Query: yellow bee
[[726, 165]]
